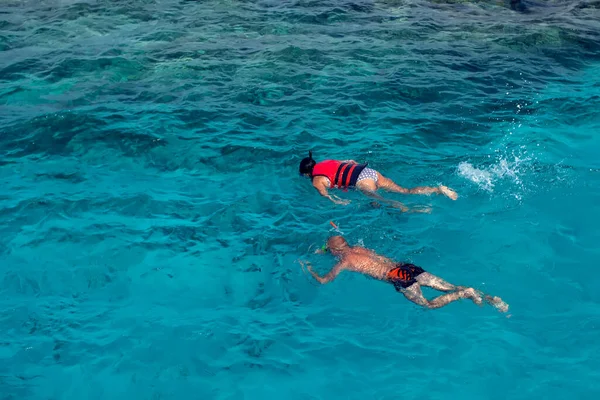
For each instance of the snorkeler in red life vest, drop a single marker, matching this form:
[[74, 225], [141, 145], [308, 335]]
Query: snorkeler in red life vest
[[332, 174]]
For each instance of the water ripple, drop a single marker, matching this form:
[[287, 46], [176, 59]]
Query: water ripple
[[150, 198]]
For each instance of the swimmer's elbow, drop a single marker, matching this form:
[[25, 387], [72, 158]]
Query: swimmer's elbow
[[321, 279], [328, 278], [333, 273]]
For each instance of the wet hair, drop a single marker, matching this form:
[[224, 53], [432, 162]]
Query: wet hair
[[307, 164]]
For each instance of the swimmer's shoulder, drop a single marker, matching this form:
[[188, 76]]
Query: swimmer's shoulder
[[363, 251], [320, 180], [358, 255]]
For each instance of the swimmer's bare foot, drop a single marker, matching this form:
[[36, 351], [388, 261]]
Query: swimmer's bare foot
[[403, 208], [497, 303], [446, 191], [472, 294], [400, 206], [421, 209]]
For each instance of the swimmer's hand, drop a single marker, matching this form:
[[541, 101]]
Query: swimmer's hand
[[446, 191], [302, 264], [337, 200], [314, 274], [350, 161], [306, 266]]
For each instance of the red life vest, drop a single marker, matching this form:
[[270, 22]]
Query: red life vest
[[339, 174]]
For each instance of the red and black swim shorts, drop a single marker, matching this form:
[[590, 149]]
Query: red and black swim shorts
[[403, 275]]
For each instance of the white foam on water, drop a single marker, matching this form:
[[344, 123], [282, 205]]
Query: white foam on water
[[481, 177], [488, 176]]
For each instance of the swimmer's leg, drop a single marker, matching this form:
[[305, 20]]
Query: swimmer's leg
[[391, 186], [437, 283], [434, 282], [414, 294], [369, 188]]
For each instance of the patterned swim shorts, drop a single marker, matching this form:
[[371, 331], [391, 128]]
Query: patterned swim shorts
[[367, 173]]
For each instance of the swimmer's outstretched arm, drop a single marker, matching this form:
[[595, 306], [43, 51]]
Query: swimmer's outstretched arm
[[331, 275], [323, 192]]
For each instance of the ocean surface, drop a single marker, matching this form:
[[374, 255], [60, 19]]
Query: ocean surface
[[152, 216]]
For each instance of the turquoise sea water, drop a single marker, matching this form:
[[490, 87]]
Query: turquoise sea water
[[151, 211]]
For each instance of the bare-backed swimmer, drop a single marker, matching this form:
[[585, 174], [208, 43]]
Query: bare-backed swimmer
[[331, 174], [406, 278]]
